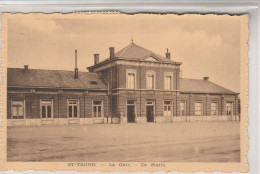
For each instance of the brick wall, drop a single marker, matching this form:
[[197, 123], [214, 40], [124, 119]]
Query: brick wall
[[119, 76], [32, 102], [119, 99], [140, 98], [207, 99]]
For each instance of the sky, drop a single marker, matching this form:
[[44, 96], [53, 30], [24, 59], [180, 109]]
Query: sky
[[206, 45]]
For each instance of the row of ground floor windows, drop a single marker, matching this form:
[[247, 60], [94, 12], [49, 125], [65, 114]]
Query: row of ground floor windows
[[46, 109], [168, 109], [213, 108]]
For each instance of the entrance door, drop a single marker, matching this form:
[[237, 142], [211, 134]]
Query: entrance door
[[150, 111], [130, 111], [167, 111]]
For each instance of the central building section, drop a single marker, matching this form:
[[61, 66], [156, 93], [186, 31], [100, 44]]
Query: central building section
[[143, 86]]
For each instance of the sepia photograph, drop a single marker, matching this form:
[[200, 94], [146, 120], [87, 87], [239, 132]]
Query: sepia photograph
[[124, 88]]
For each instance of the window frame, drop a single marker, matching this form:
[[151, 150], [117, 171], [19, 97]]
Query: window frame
[[231, 108], [102, 109], [52, 109], [150, 72], [132, 71], [149, 104], [132, 104], [201, 102], [164, 79], [216, 108], [24, 113], [78, 108]]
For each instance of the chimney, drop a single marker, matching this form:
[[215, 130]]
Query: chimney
[[112, 52], [167, 54], [76, 68], [96, 58], [206, 78], [26, 68]]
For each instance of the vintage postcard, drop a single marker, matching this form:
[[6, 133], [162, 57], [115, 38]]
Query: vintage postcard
[[118, 92]]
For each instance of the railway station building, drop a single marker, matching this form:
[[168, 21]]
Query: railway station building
[[133, 85]]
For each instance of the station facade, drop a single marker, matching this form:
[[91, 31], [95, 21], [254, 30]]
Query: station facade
[[133, 85]]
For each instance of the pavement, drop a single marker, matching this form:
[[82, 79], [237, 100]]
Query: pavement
[[149, 142]]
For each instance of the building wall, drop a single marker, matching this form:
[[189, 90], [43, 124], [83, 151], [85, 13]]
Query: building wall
[[141, 76], [207, 99], [111, 79], [115, 110], [115, 100], [118, 78], [32, 100], [140, 97]]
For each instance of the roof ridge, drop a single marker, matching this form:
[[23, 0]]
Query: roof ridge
[[50, 70]]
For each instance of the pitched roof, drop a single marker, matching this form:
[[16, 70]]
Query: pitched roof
[[202, 86], [17, 77], [136, 52]]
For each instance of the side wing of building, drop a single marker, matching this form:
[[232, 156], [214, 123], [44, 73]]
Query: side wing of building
[[201, 99], [37, 97]]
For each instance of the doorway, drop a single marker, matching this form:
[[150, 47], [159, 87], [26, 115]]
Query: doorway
[[167, 109], [130, 111], [150, 111]]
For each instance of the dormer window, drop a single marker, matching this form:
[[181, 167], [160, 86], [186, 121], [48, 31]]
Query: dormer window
[[93, 82]]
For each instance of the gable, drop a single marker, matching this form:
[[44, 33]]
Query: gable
[[151, 59]]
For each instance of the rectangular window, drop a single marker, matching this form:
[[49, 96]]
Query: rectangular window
[[149, 102], [46, 109], [150, 80], [198, 108], [18, 109], [182, 108], [167, 82], [97, 109], [214, 108], [73, 108], [131, 80], [229, 108]]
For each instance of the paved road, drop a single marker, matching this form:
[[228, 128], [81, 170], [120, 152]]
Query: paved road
[[174, 142]]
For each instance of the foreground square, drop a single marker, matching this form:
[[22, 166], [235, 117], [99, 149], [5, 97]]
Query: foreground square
[[172, 142]]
